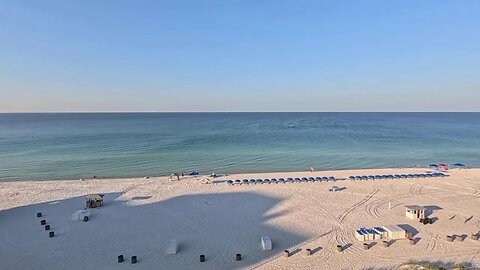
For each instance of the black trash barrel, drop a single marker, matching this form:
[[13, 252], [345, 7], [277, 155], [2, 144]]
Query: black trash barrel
[[43, 222], [39, 214], [238, 257], [47, 227], [339, 248], [85, 219], [202, 258], [120, 259], [133, 260], [51, 234]]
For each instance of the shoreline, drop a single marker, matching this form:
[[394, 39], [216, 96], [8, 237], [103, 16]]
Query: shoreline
[[221, 175]]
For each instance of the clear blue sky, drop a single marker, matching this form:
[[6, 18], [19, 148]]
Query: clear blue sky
[[114, 55]]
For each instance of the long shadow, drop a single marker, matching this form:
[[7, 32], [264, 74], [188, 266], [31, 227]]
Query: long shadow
[[409, 229], [215, 225]]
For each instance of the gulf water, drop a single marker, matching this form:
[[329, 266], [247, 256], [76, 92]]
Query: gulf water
[[113, 145]]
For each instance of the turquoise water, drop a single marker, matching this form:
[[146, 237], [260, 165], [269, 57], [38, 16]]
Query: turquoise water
[[72, 146]]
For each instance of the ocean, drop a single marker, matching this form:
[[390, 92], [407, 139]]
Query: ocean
[[113, 145]]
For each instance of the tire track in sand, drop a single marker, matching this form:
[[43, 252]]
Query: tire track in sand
[[345, 214]]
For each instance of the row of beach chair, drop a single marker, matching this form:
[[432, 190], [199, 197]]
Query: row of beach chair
[[395, 176], [281, 180]]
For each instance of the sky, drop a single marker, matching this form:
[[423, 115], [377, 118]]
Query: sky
[[248, 55]]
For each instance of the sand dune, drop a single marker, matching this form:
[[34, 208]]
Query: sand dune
[[141, 216]]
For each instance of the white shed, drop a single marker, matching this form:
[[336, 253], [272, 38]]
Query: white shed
[[395, 232]]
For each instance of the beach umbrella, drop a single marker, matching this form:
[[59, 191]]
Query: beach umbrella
[[433, 165], [318, 178], [351, 177], [245, 181], [238, 181], [230, 182], [461, 165], [442, 165], [331, 178]]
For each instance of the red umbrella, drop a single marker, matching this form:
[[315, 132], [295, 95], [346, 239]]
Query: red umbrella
[[443, 165]]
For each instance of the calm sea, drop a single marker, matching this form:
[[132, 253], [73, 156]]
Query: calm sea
[[72, 146]]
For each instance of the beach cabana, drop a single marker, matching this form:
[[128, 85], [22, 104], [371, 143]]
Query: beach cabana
[[415, 211], [395, 232], [94, 200]]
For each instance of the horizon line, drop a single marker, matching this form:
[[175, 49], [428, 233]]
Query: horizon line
[[87, 112]]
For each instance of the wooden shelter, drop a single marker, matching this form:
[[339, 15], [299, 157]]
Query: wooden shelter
[[94, 200], [415, 212]]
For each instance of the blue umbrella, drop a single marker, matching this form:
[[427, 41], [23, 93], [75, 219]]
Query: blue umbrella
[[251, 180], [318, 178], [331, 178], [238, 182], [230, 182], [245, 181]]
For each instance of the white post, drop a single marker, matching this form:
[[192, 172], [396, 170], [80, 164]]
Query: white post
[[389, 205]]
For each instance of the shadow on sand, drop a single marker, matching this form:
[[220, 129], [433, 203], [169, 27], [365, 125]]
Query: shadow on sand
[[215, 225]]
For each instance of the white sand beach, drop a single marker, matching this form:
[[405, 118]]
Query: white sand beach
[[140, 217]]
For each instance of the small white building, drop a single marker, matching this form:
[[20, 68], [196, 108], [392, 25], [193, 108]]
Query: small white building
[[415, 211]]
